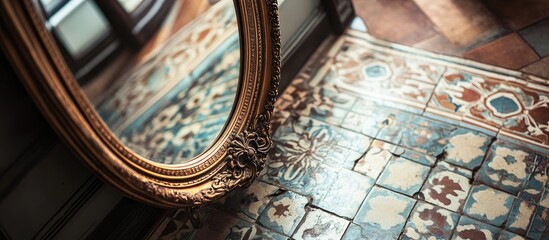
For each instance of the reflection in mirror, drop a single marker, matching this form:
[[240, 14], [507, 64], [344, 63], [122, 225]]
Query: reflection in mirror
[[163, 75]]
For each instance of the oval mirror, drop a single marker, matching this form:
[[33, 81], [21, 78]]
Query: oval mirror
[[167, 100]]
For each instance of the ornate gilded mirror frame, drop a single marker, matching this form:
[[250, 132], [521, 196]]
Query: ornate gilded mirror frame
[[235, 159]]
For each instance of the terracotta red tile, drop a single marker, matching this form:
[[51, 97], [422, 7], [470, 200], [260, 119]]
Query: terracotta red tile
[[398, 21], [464, 23], [440, 44], [510, 51], [518, 14], [539, 68]]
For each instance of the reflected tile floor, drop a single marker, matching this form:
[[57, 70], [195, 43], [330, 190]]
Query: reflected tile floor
[[361, 153]]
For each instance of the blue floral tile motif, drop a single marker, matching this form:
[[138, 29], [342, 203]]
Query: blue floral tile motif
[[507, 167], [430, 222], [488, 205], [384, 212], [520, 217], [284, 213], [506, 235], [354, 186], [446, 189], [403, 176], [219, 225], [321, 225], [540, 224], [469, 228], [466, 148], [317, 184], [248, 203]]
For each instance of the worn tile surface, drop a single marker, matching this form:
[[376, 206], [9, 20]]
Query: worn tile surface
[[384, 213], [510, 52], [321, 225], [378, 141], [488, 205], [430, 222]]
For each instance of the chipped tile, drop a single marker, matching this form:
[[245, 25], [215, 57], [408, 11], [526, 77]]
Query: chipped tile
[[520, 217], [373, 162], [353, 186], [466, 148], [321, 225], [384, 212], [470, 229], [283, 213], [446, 189], [430, 222], [488, 205], [403, 176], [455, 169], [418, 157], [506, 167]]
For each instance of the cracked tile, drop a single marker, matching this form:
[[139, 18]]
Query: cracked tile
[[321, 225], [472, 229], [520, 217], [430, 222], [284, 213]]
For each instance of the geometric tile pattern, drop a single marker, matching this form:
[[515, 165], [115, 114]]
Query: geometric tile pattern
[[350, 161]]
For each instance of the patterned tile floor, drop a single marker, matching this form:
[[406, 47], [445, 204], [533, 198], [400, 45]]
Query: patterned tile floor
[[380, 141]]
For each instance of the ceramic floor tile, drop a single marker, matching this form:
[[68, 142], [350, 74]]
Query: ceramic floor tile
[[534, 189], [426, 136], [518, 14], [540, 224], [415, 156], [492, 103], [537, 35], [373, 162], [466, 148], [510, 52], [355, 232], [470, 229], [507, 167], [317, 184], [539, 68], [219, 225], [382, 17], [380, 74], [321, 225], [248, 203], [351, 186], [440, 44], [463, 23], [284, 213], [359, 122], [403, 176], [445, 166], [506, 235], [342, 157], [430, 222], [520, 217], [446, 189], [384, 212], [488, 205]]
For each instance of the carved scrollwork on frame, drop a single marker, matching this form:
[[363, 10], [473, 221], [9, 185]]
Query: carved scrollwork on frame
[[234, 160]]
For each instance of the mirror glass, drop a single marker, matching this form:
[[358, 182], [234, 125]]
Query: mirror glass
[[162, 74]]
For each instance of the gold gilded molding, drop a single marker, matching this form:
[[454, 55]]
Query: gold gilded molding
[[234, 160]]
